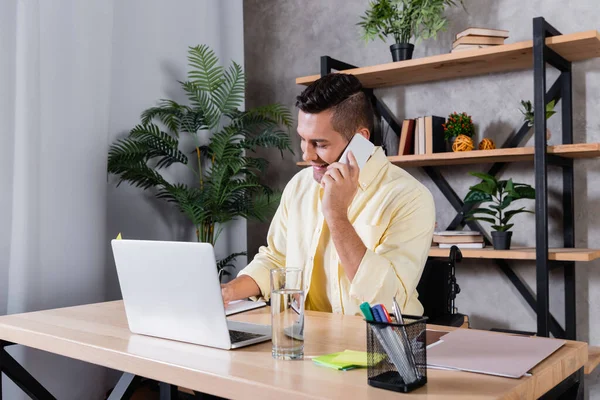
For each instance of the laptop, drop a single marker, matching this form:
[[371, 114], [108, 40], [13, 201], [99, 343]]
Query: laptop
[[171, 290]]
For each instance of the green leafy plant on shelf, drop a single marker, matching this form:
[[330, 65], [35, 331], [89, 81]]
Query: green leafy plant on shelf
[[226, 184], [403, 20], [528, 113], [458, 124], [501, 194]]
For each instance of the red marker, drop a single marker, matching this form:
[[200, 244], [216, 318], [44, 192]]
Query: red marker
[[385, 312]]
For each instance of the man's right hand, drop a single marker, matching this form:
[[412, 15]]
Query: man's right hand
[[240, 288]]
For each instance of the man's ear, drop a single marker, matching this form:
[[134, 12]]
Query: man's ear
[[365, 132]]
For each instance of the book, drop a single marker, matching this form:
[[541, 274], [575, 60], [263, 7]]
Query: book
[[478, 40], [457, 233], [462, 245], [419, 142], [463, 47], [407, 135], [434, 135], [474, 31], [457, 239]]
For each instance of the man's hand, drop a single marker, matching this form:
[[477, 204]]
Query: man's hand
[[226, 293], [240, 288], [340, 183]]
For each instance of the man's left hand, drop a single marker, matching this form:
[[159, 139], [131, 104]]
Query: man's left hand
[[340, 183]]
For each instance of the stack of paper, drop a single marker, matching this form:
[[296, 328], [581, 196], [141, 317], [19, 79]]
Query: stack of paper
[[490, 353]]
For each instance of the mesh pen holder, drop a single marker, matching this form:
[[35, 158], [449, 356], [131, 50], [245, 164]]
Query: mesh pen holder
[[397, 354]]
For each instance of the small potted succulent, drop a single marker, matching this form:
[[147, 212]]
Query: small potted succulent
[[529, 115], [458, 125], [403, 20], [501, 193]]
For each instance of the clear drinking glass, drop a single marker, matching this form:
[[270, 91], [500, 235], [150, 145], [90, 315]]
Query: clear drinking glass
[[287, 313]]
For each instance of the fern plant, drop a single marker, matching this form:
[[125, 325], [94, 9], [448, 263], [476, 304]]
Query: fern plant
[[226, 178]]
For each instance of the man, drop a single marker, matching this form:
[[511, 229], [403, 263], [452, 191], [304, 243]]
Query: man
[[359, 235]]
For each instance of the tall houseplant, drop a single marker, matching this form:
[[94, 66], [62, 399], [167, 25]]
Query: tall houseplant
[[501, 193], [403, 20], [225, 174]]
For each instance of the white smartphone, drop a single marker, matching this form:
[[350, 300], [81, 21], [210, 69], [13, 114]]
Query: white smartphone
[[362, 149]]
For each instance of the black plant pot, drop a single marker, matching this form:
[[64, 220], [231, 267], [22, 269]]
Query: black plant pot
[[501, 240], [402, 51]]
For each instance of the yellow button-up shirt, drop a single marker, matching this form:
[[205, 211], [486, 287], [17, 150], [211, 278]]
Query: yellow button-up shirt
[[392, 213]]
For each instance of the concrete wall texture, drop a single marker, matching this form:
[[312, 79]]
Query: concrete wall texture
[[285, 39]]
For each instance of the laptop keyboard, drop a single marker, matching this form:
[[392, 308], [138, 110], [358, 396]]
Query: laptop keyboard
[[238, 336]]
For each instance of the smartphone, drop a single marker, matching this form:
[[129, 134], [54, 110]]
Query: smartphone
[[362, 149]]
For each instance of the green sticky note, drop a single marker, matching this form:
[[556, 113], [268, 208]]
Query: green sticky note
[[351, 357], [345, 360]]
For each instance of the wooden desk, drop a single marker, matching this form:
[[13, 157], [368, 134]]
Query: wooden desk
[[98, 334]]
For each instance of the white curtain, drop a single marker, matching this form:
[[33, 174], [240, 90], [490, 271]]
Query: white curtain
[[54, 79], [74, 75]]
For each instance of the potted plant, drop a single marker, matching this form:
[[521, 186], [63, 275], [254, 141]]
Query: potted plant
[[403, 20], [528, 113], [225, 176], [458, 125], [501, 193]]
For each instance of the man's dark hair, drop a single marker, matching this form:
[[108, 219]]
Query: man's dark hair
[[342, 93]]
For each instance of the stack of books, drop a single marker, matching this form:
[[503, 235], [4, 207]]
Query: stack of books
[[478, 38], [422, 135], [460, 239]]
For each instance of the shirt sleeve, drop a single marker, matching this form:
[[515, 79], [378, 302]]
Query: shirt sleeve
[[274, 253], [394, 267]]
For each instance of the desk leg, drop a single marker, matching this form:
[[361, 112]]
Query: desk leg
[[570, 388], [127, 384], [23, 379], [168, 392]]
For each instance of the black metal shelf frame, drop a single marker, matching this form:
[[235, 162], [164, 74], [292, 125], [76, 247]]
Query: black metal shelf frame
[[560, 91]]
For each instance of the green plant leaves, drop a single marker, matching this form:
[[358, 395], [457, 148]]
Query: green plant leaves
[[404, 19], [509, 214], [202, 101], [490, 220], [485, 177], [477, 197], [227, 262], [230, 94], [205, 72], [482, 211], [525, 192], [484, 187], [226, 181], [502, 228]]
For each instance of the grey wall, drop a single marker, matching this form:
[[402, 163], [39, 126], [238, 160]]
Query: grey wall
[[284, 40], [148, 60]]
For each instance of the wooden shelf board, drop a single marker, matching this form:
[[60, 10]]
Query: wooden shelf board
[[508, 57], [521, 253], [583, 150], [593, 359]]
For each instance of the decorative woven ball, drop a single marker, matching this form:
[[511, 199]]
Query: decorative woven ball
[[462, 143], [487, 144]]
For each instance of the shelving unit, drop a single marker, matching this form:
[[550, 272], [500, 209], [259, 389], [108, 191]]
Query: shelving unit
[[517, 154], [548, 46], [521, 253], [508, 57]]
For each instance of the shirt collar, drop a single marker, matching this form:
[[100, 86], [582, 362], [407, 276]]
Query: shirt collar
[[371, 169]]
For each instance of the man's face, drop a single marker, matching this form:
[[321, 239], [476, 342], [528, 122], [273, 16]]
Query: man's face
[[321, 144]]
